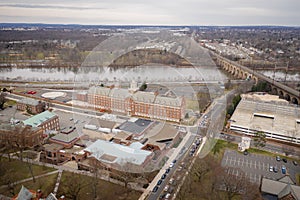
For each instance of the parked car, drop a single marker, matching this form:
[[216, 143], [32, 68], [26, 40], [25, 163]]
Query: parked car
[[171, 181], [275, 169], [162, 196], [167, 196], [295, 162], [167, 170], [284, 160], [163, 176], [271, 168], [31, 92], [245, 152], [159, 182], [155, 189], [283, 169], [278, 158], [166, 188], [171, 165]]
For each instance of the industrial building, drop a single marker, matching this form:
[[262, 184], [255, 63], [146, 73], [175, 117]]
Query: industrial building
[[260, 112]]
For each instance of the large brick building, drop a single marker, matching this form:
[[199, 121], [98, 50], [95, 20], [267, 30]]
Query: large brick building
[[31, 105], [137, 103], [46, 120], [20, 135]]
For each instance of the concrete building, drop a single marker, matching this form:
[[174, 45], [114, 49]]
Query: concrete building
[[46, 120], [269, 114], [31, 105], [137, 103], [20, 135]]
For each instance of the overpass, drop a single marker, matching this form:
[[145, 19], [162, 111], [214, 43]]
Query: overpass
[[243, 72]]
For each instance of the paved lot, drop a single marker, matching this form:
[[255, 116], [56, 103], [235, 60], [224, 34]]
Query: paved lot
[[255, 166]]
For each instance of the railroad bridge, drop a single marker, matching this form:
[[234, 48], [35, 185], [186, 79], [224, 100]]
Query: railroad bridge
[[243, 72]]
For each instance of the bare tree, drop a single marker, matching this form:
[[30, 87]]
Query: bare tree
[[72, 185], [202, 167], [232, 184], [252, 192], [185, 189], [2, 100], [95, 169]]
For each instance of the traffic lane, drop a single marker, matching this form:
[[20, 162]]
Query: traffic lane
[[255, 166], [156, 195], [179, 158]]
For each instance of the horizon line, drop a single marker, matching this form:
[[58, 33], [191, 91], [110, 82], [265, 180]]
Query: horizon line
[[150, 25]]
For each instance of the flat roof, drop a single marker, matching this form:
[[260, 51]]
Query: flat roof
[[29, 101], [102, 150], [267, 117], [38, 119], [136, 127], [67, 138]]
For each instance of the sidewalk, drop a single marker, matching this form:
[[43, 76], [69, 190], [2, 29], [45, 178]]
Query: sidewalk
[[30, 179]]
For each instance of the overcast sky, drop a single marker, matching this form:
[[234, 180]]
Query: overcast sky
[[153, 12]]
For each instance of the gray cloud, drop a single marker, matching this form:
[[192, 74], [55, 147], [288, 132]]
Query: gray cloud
[[155, 12]]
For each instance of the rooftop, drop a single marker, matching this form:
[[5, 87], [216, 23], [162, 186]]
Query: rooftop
[[139, 96], [29, 101], [10, 127], [110, 152], [135, 127], [268, 117], [280, 187], [66, 138], [38, 119]]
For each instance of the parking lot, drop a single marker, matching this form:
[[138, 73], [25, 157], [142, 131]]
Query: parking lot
[[255, 166]]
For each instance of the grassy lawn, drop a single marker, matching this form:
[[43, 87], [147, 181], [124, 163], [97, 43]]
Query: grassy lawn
[[45, 184], [217, 148], [177, 143], [105, 190], [21, 170], [192, 104]]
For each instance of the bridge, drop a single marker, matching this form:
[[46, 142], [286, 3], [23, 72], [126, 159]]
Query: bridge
[[242, 72]]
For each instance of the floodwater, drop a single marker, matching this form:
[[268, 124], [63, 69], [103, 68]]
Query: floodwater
[[146, 73], [282, 75]]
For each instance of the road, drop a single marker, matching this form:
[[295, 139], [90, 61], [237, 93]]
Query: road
[[216, 115]]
